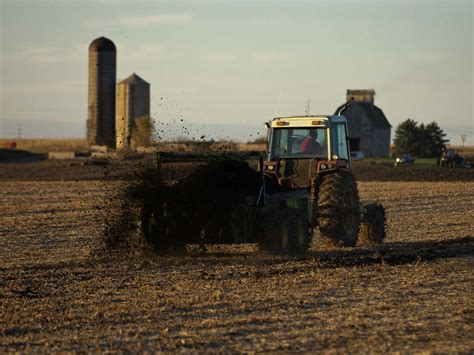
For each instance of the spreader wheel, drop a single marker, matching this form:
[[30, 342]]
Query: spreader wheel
[[156, 231], [285, 231], [301, 232], [149, 226]]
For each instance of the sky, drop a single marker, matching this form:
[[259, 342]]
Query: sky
[[226, 67]]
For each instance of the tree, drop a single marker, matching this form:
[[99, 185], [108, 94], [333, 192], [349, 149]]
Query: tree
[[419, 140], [406, 138], [435, 139]]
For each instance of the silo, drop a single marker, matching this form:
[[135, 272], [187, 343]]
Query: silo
[[133, 101], [101, 98]]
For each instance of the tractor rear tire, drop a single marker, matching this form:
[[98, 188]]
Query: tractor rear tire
[[338, 209], [372, 226]]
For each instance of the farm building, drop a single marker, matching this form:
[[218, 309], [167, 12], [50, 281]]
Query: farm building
[[369, 129], [133, 101]]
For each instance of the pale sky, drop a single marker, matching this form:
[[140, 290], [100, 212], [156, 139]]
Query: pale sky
[[227, 62]]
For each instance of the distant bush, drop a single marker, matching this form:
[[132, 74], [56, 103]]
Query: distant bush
[[258, 140], [40, 145]]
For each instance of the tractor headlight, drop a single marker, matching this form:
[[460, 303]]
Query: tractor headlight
[[330, 165], [323, 166]]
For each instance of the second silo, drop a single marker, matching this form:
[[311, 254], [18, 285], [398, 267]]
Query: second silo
[[133, 102], [101, 98]]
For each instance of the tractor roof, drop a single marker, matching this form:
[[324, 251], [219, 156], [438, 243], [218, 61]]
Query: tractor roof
[[306, 121]]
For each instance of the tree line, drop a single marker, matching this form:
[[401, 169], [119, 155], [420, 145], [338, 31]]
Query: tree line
[[419, 139]]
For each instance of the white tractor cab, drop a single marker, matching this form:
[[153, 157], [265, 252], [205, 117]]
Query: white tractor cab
[[309, 137], [302, 147]]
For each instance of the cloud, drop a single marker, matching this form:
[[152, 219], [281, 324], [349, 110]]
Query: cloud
[[34, 88], [166, 19], [271, 20], [142, 54], [267, 57], [49, 55], [219, 58], [170, 19]]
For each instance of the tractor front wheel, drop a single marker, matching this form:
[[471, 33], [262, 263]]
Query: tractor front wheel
[[301, 231]]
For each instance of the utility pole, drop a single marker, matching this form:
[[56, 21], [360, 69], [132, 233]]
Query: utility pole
[[422, 128], [307, 107]]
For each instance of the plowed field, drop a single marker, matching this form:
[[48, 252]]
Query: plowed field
[[61, 291]]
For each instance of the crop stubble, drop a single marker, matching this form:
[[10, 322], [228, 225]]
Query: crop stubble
[[59, 290]]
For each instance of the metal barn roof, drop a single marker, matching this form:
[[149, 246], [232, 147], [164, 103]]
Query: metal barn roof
[[134, 79], [374, 114]]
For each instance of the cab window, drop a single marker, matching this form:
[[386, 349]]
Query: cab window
[[339, 143], [299, 142]]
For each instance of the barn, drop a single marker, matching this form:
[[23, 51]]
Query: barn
[[369, 129]]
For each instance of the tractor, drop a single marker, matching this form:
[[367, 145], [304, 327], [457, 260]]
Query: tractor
[[304, 182], [312, 153]]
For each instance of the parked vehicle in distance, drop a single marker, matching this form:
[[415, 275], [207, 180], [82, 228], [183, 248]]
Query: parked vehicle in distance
[[450, 158], [405, 159], [357, 155], [468, 161]]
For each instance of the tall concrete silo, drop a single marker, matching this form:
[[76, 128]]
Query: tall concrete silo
[[101, 98], [133, 101]]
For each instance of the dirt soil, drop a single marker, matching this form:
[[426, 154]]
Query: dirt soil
[[60, 290], [88, 169], [366, 171]]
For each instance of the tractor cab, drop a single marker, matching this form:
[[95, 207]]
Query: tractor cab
[[302, 147]]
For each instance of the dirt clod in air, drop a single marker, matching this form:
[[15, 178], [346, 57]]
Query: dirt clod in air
[[121, 215]]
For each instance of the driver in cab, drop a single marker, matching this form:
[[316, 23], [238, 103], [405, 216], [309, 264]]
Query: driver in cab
[[310, 144]]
